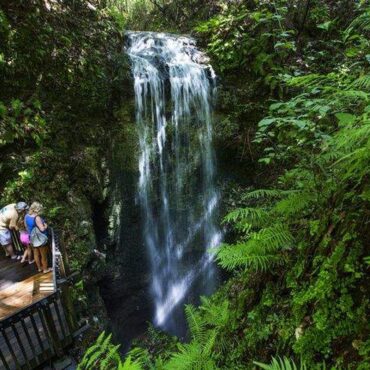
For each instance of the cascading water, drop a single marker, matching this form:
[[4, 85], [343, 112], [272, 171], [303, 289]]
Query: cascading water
[[176, 190]]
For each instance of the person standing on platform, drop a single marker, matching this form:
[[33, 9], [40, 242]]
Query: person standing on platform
[[9, 216], [32, 221], [24, 238]]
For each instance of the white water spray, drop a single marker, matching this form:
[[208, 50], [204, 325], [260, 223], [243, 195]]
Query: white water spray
[[177, 191]]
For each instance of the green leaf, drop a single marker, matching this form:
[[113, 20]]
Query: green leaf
[[266, 122], [345, 118], [325, 26]]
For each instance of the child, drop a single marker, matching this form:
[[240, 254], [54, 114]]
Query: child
[[25, 240]]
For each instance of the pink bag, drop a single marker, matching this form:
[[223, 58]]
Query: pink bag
[[25, 238]]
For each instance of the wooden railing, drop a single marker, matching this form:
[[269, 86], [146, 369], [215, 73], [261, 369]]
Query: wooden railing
[[42, 330]]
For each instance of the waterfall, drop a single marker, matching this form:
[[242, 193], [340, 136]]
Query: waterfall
[[177, 193]]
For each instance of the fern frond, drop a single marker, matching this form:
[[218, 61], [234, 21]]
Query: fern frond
[[241, 255], [94, 358], [281, 364], [352, 137], [87, 354], [196, 324], [359, 24], [266, 194], [294, 203], [354, 94], [106, 342], [309, 80], [362, 82], [129, 365], [210, 343], [272, 238], [252, 216], [186, 358], [101, 338], [259, 252], [140, 355], [110, 358], [215, 315], [101, 355]]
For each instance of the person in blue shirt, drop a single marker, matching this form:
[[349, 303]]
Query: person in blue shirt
[[32, 220]]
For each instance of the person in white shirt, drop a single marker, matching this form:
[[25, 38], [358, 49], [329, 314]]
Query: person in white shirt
[[9, 216]]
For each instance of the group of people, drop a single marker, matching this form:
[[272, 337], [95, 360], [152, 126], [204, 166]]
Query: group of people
[[33, 233]]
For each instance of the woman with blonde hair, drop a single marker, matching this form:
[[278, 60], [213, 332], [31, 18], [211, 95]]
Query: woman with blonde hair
[[32, 220]]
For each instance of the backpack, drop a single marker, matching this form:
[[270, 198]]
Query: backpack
[[37, 237]]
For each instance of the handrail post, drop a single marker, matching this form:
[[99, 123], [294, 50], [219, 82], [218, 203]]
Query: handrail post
[[68, 307], [16, 242], [64, 255], [63, 269], [52, 329]]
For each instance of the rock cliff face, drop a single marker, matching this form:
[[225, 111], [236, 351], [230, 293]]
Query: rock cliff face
[[124, 288], [116, 277]]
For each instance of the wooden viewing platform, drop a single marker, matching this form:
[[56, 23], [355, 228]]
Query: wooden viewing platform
[[36, 315], [21, 285]]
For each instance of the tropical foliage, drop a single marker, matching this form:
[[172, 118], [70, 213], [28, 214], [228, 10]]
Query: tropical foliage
[[56, 99], [103, 355], [293, 114], [298, 237]]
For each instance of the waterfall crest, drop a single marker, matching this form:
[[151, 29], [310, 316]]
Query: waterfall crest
[[176, 189]]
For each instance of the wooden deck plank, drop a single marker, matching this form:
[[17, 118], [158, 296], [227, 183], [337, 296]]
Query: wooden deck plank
[[21, 285]]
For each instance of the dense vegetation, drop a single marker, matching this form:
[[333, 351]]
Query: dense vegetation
[[294, 107], [56, 101], [298, 252]]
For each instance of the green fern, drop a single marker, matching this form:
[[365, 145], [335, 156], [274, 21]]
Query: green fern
[[359, 24], [244, 255], [248, 217], [129, 364], [111, 356], [215, 315], [294, 203], [194, 355], [362, 82], [104, 355], [309, 80], [196, 324], [93, 348], [100, 353], [266, 194], [198, 353], [281, 364]]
